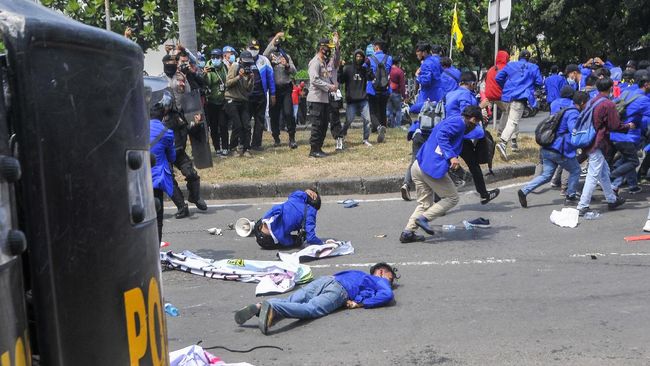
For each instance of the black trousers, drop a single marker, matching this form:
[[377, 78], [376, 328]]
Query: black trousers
[[158, 195], [336, 128], [302, 111], [193, 181], [377, 104], [283, 107], [241, 124], [218, 123], [257, 110], [471, 154], [318, 114]]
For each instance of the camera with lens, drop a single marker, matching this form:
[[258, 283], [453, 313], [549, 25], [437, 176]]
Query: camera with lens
[[248, 67]]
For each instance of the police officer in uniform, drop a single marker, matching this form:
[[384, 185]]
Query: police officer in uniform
[[177, 71]]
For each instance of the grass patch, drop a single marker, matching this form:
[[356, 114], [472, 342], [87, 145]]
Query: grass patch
[[276, 164]]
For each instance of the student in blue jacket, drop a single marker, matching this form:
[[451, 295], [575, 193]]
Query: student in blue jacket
[[352, 289], [554, 84], [430, 174], [162, 148], [565, 99], [627, 144], [428, 75], [475, 148], [450, 77], [298, 214], [517, 79], [560, 153]]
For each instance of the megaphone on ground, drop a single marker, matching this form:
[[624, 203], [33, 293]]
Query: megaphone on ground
[[244, 227]]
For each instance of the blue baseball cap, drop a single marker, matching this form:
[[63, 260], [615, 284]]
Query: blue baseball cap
[[229, 49], [216, 52]]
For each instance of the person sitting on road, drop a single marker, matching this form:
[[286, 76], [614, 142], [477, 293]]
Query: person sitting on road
[[354, 289], [297, 214]]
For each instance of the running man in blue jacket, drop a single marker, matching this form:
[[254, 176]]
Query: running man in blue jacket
[[354, 289], [298, 214], [517, 80]]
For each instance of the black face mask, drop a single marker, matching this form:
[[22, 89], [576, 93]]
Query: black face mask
[[169, 69], [315, 203]]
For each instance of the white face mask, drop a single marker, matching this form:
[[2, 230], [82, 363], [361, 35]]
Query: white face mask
[[254, 53]]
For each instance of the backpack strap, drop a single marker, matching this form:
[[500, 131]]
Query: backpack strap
[[159, 137]]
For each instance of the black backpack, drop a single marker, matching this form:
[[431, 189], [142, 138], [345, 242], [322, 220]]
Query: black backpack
[[380, 84], [546, 130]]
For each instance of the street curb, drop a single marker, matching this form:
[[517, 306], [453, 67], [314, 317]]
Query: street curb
[[345, 186]]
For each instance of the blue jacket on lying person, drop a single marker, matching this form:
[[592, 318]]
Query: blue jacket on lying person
[[297, 214]]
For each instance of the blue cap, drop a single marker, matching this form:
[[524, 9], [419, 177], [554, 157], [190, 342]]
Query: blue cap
[[229, 49], [216, 52]]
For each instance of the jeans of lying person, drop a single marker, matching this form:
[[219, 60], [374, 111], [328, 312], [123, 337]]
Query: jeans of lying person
[[314, 300], [550, 161], [597, 173], [354, 109]]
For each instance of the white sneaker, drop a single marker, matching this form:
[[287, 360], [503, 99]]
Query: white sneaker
[[339, 143], [367, 143], [646, 228]]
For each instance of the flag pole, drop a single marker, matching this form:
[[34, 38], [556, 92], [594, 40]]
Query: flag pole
[[451, 37]]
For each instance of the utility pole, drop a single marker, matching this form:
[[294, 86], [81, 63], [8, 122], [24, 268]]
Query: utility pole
[[107, 14]]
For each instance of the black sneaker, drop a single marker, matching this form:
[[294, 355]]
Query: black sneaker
[[381, 134], [406, 194], [245, 313], [571, 200], [182, 212], [491, 195], [613, 205], [634, 190], [268, 317], [293, 145], [317, 154], [583, 211], [522, 198], [424, 225], [277, 143], [410, 237], [480, 222], [200, 204]]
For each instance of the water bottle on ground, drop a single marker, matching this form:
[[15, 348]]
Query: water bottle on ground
[[448, 227], [468, 226], [592, 215], [171, 309]]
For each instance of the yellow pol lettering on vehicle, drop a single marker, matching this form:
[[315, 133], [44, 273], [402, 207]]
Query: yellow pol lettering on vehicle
[[22, 354], [145, 325]]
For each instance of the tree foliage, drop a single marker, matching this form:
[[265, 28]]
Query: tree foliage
[[560, 31]]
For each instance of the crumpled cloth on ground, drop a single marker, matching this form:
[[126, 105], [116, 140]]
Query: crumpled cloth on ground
[[311, 252], [196, 356], [568, 217], [273, 277]]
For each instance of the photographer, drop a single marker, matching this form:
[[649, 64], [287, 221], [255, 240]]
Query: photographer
[[239, 84], [283, 71], [215, 76]]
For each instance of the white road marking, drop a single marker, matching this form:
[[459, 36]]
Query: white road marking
[[421, 263], [226, 205], [611, 255]]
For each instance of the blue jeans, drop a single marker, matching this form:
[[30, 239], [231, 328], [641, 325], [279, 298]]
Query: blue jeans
[[394, 110], [550, 161], [316, 299], [353, 109], [597, 173]]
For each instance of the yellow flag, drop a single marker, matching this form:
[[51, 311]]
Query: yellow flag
[[455, 31]]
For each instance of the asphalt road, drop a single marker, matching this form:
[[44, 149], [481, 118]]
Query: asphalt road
[[524, 292]]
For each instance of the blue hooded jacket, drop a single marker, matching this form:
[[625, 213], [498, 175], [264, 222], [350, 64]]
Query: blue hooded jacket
[[457, 100], [562, 142], [363, 288], [266, 74], [554, 84], [518, 79], [288, 217], [449, 79], [560, 103], [430, 79], [638, 112], [165, 153], [444, 143], [388, 62]]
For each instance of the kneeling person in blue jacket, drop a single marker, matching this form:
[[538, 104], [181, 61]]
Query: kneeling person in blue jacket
[[298, 214], [429, 171], [354, 289]]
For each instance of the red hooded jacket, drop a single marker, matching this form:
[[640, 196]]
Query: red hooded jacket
[[492, 89]]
